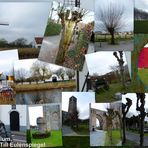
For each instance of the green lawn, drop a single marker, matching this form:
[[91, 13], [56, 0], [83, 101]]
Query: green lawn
[[83, 129], [52, 29], [140, 26], [143, 74], [107, 38], [75, 142], [54, 140], [115, 136], [24, 53], [108, 95]]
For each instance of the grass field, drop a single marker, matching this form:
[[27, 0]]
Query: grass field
[[83, 129], [107, 38], [45, 86], [143, 74], [141, 26], [54, 140], [53, 29], [25, 53], [75, 142], [115, 138], [109, 95]]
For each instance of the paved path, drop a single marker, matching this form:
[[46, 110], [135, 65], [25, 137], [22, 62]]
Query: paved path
[[97, 138], [49, 49], [136, 138], [67, 131], [124, 45]]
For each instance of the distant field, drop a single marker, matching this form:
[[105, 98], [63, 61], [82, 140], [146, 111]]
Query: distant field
[[141, 26], [143, 74], [107, 38], [25, 53], [109, 95]]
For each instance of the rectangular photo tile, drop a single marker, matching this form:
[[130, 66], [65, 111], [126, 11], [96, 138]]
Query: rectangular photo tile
[[140, 63], [7, 84], [22, 26], [134, 119], [114, 25], [140, 16], [67, 36], [45, 123], [75, 113], [13, 125], [105, 124], [38, 82], [108, 75]]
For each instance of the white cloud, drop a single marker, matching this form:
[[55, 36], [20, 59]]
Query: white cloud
[[100, 62]]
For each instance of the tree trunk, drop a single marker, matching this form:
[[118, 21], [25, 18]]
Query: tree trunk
[[122, 75], [124, 136], [65, 41], [141, 131], [112, 38]]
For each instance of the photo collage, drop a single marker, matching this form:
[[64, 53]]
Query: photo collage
[[73, 73]]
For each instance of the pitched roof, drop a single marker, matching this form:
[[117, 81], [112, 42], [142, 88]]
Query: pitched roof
[[38, 40]]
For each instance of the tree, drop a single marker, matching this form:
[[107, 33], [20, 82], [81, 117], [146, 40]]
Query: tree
[[3, 42], [70, 73], [69, 19], [40, 71], [141, 108], [115, 69], [21, 75], [110, 115], [121, 65], [60, 73], [125, 109], [110, 18], [20, 42]]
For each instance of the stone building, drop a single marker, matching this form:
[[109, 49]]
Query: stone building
[[101, 116]]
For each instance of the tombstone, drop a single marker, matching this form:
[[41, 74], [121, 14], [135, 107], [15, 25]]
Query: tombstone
[[41, 123]]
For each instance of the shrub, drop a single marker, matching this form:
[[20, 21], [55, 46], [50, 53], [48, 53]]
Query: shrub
[[28, 136], [38, 135]]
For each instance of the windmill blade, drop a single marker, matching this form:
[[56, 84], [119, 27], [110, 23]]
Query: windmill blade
[[4, 23]]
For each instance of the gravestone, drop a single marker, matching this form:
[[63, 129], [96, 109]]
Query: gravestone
[[41, 123], [52, 116]]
